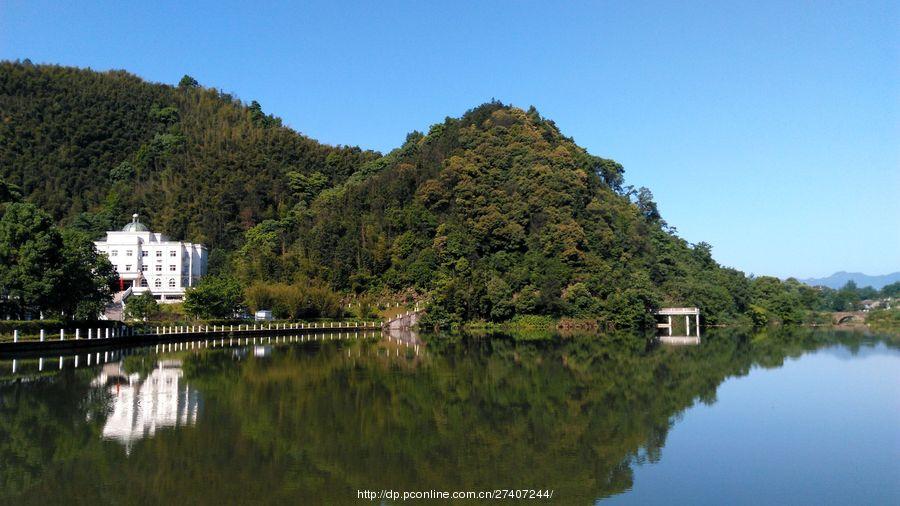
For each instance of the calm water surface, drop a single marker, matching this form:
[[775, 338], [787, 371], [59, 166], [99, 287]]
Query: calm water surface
[[789, 416]]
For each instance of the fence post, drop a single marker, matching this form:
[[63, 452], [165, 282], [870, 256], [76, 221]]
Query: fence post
[[62, 335], [77, 334], [15, 336], [42, 335]]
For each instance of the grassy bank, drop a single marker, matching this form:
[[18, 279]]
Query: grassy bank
[[884, 320]]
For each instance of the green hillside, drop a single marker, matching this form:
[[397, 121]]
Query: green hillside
[[488, 216], [91, 148], [497, 213]]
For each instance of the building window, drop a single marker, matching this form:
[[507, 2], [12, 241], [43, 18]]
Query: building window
[[127, 267], [173, 253], [114, 253], [157, 283], [143, 268], [172, 268], [159, 253], [185, 282], [159, 268], [128, 252], [144, 282], [144, 253], [171, 282]]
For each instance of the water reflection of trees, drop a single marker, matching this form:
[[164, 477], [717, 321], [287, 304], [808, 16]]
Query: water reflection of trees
[[313, 422]]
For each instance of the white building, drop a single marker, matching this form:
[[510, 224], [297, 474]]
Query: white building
[[140, 408], [148, 260]]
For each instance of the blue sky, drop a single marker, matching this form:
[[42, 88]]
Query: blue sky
[[769, 129]]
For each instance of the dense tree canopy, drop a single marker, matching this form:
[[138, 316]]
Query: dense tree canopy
[[91, 148], [46, 270], [487, 216]]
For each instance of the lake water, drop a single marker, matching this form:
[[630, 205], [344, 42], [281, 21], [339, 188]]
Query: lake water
[[788, 416]]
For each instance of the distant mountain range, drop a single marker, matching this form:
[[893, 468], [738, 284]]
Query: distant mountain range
[[839, 279]]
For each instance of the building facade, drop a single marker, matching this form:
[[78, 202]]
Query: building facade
[[149, 261]]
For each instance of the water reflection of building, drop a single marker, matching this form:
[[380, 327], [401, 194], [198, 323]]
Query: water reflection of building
[[139, 408]]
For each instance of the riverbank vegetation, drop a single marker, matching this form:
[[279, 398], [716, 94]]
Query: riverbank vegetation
[[45, 270], [493, 216], [884, 320]]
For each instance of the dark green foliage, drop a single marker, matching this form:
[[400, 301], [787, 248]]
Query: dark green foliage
[[891, 290], [187, 82], [44, 270], [195, 162], [30, 261], [85, 287], [488, 216], [9, 192]]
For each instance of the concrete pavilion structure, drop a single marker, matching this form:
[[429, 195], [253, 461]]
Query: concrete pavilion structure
[[150, 261]]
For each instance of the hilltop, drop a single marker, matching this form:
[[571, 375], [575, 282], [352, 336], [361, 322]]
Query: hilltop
[[488, 216], [91, 148]]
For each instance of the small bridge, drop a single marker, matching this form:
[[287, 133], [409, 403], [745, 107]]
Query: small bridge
[[841, 317]]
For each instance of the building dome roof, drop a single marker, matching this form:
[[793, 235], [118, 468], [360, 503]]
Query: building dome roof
[[135, 225]]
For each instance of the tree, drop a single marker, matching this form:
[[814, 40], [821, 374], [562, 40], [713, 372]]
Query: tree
[[188, 82], [891, 290], [122, 172], [141, 307], [214, 297], [31, 266], [9, 192], [85, 287], [307, 186], [646, 204]]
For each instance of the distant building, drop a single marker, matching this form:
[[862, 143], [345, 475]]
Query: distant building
[[149, 261]]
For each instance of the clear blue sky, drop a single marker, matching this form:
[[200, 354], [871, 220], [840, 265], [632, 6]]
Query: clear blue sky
[[769, 129]]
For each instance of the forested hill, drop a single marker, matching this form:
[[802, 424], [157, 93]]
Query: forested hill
[[497, 214], [90, 148], [488, 216]]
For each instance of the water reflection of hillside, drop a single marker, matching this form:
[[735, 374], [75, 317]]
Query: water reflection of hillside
[[141, 406], [326, 416]]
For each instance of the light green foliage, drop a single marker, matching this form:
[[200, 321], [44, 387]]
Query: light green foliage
[[141, 307], [123, 172], [307, 186], [885, 320], [296, 300], [214, 297]]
